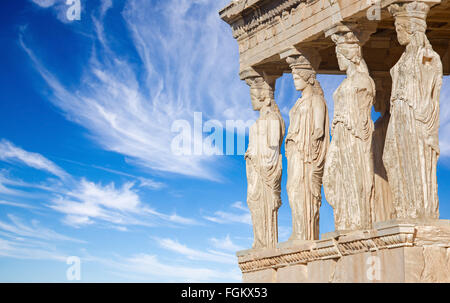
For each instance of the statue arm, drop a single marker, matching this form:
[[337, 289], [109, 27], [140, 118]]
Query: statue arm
[[274, 133], [363, 123], [319, 119], [430, 81]]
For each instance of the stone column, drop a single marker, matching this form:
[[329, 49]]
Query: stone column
[[306, 144], [411, 149], [348, 176], [263, 159]]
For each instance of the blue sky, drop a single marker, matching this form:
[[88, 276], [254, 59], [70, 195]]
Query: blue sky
[[86, 167]]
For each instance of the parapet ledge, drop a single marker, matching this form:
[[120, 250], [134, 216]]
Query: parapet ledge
[[334, 245]]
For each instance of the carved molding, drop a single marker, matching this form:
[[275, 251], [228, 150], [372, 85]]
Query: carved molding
[[388, 237], [263, 16], [264, 23]]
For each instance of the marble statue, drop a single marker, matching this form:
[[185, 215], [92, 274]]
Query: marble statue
[[306, 146], [411, 150], [348, 176], [380, 178], [264, 162]]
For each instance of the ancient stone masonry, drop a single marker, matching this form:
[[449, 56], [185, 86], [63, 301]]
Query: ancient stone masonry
[[415, 251], [380, 178]]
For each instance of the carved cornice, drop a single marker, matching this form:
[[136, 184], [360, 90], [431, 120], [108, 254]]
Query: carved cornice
[[246, 24], [265, 28], [393, 236]]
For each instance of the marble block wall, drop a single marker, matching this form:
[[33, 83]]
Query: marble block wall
[[394, 251]]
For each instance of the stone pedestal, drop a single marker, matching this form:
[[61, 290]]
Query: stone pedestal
[[393, 251]]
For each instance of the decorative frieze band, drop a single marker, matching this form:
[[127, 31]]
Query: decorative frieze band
[[263, 16], [336, 247]]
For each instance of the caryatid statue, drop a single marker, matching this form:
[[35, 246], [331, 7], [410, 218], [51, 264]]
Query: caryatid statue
[[348, 176], [411, 149], [306, 146], [264, 162]]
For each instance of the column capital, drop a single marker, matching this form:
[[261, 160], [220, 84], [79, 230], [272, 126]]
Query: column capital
[[302, 57], [249, 74], [361, 30], [407, 9], [429, 2]]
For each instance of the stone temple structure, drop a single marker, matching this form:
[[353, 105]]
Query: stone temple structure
[[379, 176]]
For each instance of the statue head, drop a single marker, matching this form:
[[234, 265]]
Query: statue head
[[410, 20], [303, 70], [348, 50], [304, 63], [261, 92]]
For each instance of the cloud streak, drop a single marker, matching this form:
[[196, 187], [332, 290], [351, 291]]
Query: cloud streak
[[150, 267], [31, 240], [81, 201], [45, 3], [225, 244], [11, 153], [187, 67], [34, 230], [90, 203], [192, 254], [226, 217]]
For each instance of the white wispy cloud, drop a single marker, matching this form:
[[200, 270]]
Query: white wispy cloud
[[105, 6], [34, 230], [45, 3], [16, 204], [89, 203], [11, 153], [243, 216], [23, 250], [193, 254], [150, 267], [190, 63], [5, 189], [240, 205], [143, 181], [81, 201], [225, 244], [28, 239]]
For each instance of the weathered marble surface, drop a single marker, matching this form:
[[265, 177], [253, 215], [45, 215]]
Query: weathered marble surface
[[264, 162], [348, 176], [394, 251], [411, 148], [306, 146]]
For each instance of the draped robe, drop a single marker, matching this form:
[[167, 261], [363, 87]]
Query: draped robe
[[264, 168], [348, 177], [306, 158], [411, 148]]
